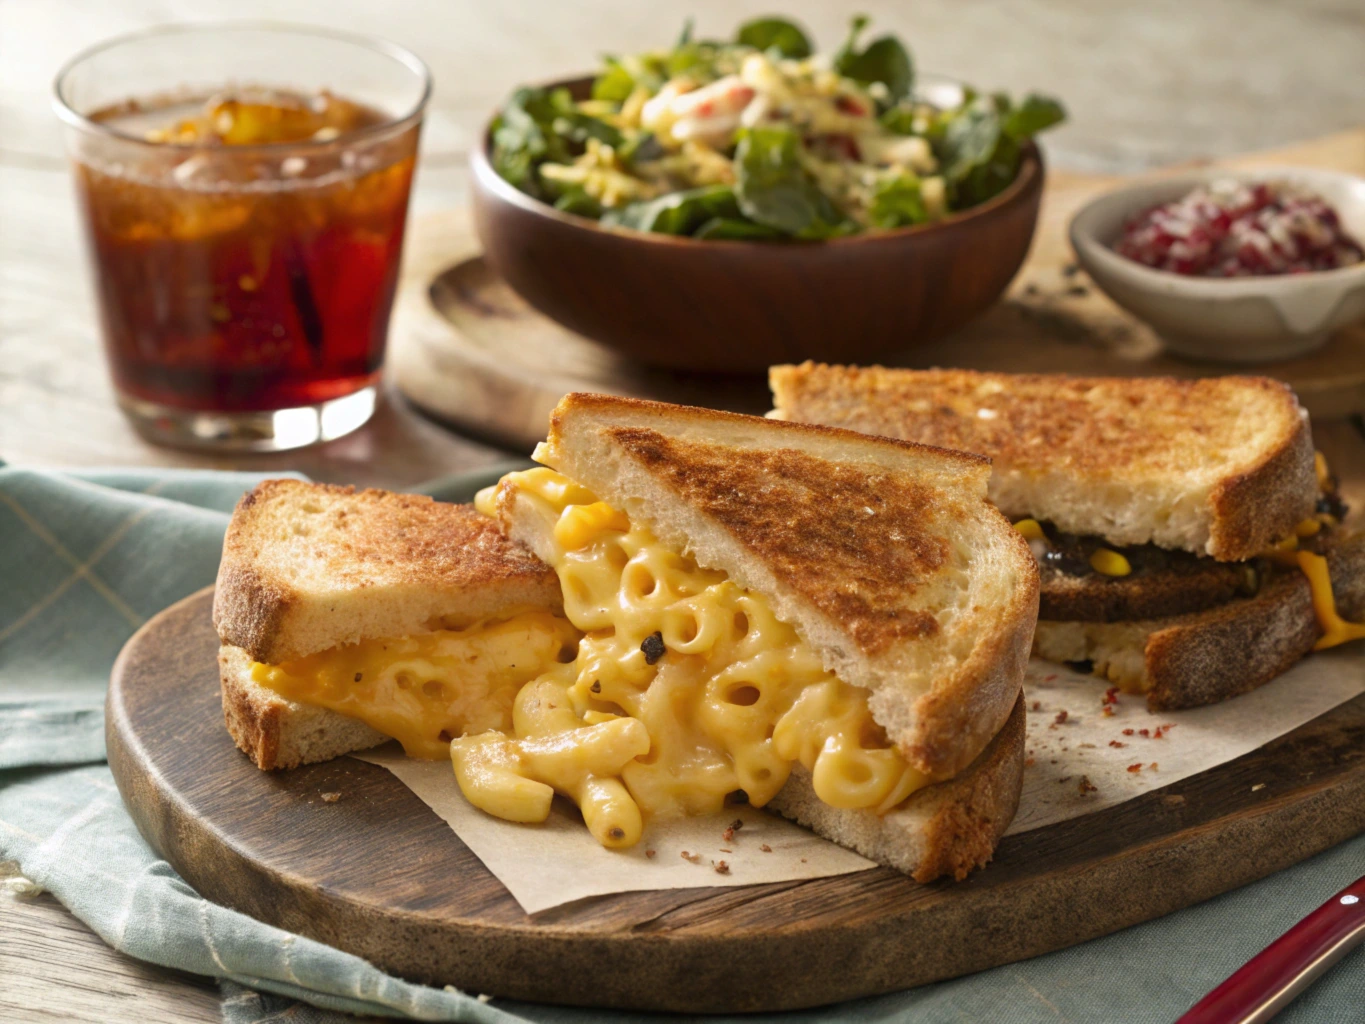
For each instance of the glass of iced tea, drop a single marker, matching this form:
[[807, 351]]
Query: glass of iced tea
[[244, 190]]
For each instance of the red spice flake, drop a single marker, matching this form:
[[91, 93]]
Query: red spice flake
[[729, 834], [1107, 711], [1087, 786], [1161, 730], [765, 847], [1135, 768], [1048, 679], [1145, 732], [803, 860], [1028, 762], [651, 854], [695, 858], [1127, 732], [1061, 717], [1152, 766], [1117, 743], [1037, 705], [720, 867]]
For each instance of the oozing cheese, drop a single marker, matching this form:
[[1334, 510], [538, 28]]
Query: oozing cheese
[[686, 688], [425, 690]]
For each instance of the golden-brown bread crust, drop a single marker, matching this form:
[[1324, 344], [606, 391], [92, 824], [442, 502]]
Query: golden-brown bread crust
[[949, 828], [844, 533], [299, 558], [279, 733], [807, 519], [1187, 586], [1093, 428]]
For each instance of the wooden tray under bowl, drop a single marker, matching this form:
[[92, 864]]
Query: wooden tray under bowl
[[470, 352], [378, 874]]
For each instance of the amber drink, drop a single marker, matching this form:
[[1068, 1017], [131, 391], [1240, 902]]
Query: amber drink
[[245, 228]]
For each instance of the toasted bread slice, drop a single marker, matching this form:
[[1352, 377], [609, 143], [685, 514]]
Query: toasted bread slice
[[279, 733], [884, 555], [1221, 466], [307, 567], [949, 828], [1205, 657], [1188, 584]]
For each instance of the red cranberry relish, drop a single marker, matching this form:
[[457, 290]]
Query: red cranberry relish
[[1240, 229]]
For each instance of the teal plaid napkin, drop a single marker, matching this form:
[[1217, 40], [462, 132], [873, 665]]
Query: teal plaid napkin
[[85, 558]]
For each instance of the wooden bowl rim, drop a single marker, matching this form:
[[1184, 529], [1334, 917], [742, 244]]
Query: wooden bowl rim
[[1028, 181]]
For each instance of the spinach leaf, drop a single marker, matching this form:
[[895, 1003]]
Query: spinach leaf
[[786, 37], [978, 157], [678, 213], [1034, 115], [897, 203], [536, 126], [615, 84], [774, 190], [899, 119], [734, 229], [575, 200], [885, 60], [523, 138]]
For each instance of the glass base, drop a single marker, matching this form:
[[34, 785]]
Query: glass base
[[273, 431]]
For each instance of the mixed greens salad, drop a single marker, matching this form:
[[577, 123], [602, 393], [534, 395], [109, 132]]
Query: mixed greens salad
[[759, 138]]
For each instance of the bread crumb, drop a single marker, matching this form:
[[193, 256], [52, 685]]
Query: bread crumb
[[724, 850], [1173, 800], [331, 798], [484, 997], [720, 867], [1061, 717], [1087, 786], [695, 858], [1152, 767], [765, 847], [1107, 711], [1258, 787], [651, 854]]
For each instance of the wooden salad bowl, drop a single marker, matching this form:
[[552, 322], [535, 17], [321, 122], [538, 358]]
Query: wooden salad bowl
[[727, 306]]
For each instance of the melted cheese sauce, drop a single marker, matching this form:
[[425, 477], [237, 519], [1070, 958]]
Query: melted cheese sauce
[[428, 689], [686, 688]]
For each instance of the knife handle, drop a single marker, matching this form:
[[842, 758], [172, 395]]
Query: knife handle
[[1266, 983]]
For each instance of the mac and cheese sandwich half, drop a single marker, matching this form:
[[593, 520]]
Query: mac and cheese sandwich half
[[678, 609], [835, 626]]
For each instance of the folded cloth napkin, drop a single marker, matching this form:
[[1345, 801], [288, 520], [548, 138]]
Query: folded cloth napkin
[[85, 558]]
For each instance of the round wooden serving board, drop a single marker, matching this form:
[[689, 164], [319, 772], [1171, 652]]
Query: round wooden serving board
[[469, 351], [378, 874]]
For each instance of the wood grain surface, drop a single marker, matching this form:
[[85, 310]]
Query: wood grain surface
[[470, 351], [378, 874]]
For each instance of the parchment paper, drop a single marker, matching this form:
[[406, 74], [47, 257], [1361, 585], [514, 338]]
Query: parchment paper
[[1078, 763]]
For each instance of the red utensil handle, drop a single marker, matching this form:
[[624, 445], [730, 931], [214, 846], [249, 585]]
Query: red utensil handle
[[1266, 983]]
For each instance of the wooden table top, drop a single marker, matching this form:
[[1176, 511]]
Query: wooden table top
[[1145, 86]]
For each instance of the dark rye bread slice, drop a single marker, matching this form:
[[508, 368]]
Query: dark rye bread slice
[[307, 567], [1187, 584], [1205, 657], [885, 556], [1220, 466]]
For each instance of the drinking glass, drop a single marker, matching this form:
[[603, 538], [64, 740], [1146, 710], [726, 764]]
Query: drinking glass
[[244, 190]]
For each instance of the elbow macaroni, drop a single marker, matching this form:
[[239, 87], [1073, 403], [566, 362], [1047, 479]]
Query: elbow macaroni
[[735, 701]]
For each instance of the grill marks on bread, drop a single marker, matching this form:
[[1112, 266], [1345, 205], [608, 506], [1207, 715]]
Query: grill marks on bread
[[854, 544]]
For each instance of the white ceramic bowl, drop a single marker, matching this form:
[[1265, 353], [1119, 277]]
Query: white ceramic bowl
[[1244, 319]]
